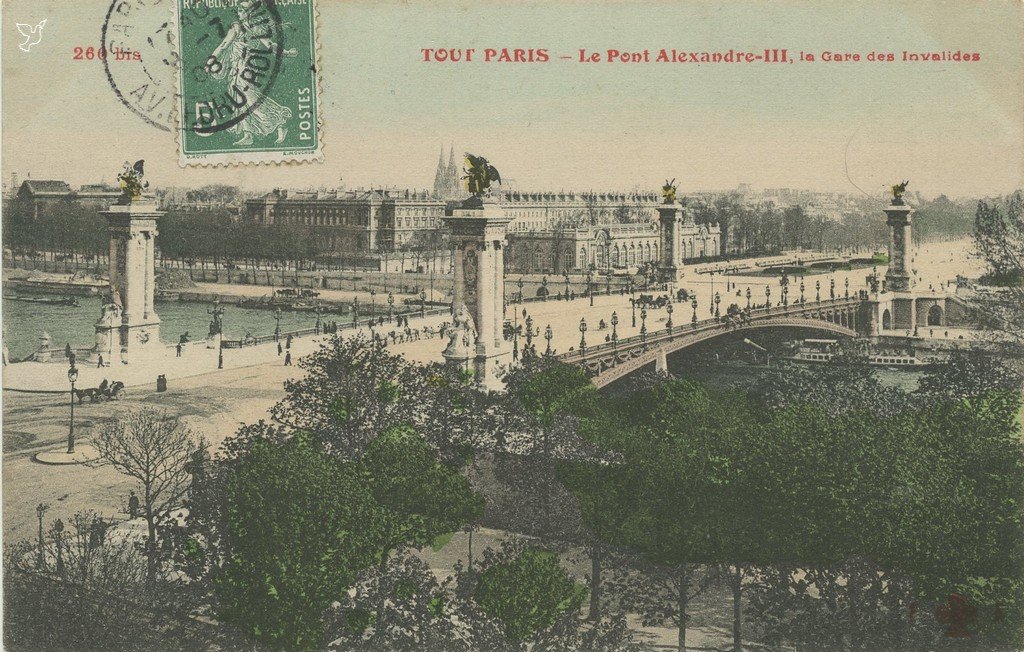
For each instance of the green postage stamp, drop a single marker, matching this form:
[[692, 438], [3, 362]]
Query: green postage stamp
[[248, 82]]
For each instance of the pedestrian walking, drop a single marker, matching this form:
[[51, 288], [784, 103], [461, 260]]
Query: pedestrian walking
[[100, 363], [133, 505], [288, 342], [288, 359], [178, 349], [279, 348]]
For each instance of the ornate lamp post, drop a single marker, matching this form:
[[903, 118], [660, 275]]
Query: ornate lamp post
[[718, 300], [785, 295], [748, 297], [391, 306], [846, 288], [548, 334], [373, 302], [583, 336], [668, 324], [590, 287], [643, 324], [768, 297], [423, 304], [519, 284], [615, 339], [693, 304], [632, 302], [817, 291], [319, 309], [277, 327], [355, 310], [40, 555], [72, 377], [529, 331], [801, 291]]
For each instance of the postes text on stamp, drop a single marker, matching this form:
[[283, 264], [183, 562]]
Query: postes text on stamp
[[248, 81]]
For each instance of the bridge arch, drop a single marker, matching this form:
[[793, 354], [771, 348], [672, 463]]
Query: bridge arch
[[936, 316], [610, 367]]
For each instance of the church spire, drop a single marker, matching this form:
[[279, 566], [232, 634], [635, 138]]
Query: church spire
[[453, 173], [440, 177]]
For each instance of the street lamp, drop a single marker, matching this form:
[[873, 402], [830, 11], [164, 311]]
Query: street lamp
[[277, 328], [373, 302], [801, 291], [567, 286], [718, 300], [768, 298], [423, 304], [58, 535], [832, 289], [519, 284], [615, 339], [817, 291], [548, 334], [668, 324], [583, 336], [785, 295], [40, 555], [590, 287], [319, 309], [391, 306], [748, 297], [72, 377], [632, 302], [846, 288], [643, 324], [693, 304], [355, 310], [529, 331]]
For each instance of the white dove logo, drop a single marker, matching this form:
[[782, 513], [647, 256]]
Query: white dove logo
[[32, 34]]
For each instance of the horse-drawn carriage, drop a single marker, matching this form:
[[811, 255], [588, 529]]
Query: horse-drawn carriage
[[105, 392]]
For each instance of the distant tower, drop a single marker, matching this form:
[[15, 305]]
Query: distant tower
[[453, 174], [440, 177]]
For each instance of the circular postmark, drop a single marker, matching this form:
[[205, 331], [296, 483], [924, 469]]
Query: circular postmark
[[231, 56], [140, 60]]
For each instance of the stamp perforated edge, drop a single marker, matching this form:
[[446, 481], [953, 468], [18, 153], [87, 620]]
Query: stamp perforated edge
[[241, 159]]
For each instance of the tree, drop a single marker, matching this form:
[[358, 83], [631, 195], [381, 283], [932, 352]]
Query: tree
[[999, 239], [155, 450], [526, 590], [299, 526], [967, 374]]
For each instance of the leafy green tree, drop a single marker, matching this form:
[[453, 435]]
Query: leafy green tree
[[527, 591], [299, 525]]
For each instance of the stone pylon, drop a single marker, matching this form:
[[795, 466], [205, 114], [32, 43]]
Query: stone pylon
[[897, 277], [478, 234], [670, 221], [129, 325]]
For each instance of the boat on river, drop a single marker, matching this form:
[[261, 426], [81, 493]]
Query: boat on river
[[63, 301]]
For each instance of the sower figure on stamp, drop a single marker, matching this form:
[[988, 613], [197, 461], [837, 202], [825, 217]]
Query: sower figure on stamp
[[244, 35]]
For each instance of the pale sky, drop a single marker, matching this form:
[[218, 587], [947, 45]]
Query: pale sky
[[950, 127]]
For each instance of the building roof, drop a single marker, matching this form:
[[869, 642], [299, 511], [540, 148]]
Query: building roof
[[42, 186]]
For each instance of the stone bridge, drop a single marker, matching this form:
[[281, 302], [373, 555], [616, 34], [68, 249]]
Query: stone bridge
[[611, 361]]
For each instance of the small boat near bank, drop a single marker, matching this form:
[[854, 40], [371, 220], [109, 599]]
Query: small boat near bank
[[64, 301]]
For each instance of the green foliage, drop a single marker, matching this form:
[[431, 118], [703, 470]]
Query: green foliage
[[528, 593], [299, 525], [429, 498]]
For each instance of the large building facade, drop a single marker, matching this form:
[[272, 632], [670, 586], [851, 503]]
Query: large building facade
[[43, 195], [603, 248], [352, 222]]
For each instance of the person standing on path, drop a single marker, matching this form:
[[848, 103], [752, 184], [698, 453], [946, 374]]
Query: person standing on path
[[133, 505], [288, 359], [279, 349]]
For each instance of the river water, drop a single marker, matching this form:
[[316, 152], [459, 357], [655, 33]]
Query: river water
[[24, 323]]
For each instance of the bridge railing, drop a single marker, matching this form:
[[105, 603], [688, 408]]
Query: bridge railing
[[685, 328]]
